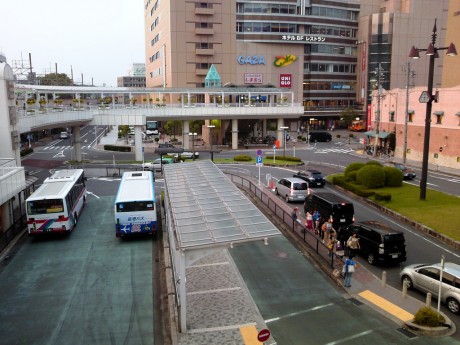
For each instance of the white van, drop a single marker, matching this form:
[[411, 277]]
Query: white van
[[292, 189], [63, 135]]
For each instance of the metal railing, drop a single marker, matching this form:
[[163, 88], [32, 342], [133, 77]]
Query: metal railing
[[283, 212]]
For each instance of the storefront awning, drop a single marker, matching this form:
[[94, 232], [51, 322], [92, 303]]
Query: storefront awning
[[382, 134]]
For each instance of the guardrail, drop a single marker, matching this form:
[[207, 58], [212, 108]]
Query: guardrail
[[283, 213]]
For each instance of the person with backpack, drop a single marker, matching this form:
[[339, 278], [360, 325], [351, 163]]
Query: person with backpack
[[353, 245]]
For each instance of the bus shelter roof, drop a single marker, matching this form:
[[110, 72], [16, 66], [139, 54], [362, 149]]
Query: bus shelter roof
[[209, 210]]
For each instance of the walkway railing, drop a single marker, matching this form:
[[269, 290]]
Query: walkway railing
[[282, 211]]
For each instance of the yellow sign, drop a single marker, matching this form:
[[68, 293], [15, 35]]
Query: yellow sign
[[281, 61]]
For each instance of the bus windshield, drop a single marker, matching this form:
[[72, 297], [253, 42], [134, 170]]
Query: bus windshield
[[45, 206], [135, 206]]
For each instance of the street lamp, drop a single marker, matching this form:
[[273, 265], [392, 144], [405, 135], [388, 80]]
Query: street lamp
[[193, 144], [432, 52], [379, 73], [283, 128], [410, 74], [210, 131]]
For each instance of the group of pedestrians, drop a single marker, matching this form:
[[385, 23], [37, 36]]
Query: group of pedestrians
[[323, 228]]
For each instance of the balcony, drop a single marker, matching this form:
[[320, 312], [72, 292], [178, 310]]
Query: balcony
[[204, 31], [208, 52], [204, 11]]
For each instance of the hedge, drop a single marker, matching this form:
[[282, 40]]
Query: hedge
[[285, 158], [393, 177], [26, 151], [242, 158], [117, 148], [382, 196], [352, 167], [371, 176]]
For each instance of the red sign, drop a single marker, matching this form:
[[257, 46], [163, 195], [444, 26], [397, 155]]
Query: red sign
[[369, 119], [263, 335], [285, 80]]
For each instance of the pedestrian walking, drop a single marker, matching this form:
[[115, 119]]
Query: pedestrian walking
[[353, 245], [309, 220], [331, 245], [316, 221], [348, 270], [295, 218]]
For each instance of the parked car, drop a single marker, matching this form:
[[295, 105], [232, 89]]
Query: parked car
[[320, 136], [292, 189], [426, 278], [185, 154], [331, 206], [408, 174], [157, 164], [378, 242], [313, 177], [63, 135]]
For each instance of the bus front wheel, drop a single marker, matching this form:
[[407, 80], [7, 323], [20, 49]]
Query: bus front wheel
[[75, 220]]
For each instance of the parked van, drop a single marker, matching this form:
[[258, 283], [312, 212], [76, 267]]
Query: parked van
[[292, 189], [320, 136], [331, 206], [378, 243]]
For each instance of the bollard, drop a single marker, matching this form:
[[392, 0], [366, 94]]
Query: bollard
[[428, 299], [384, 278], [404, 289]]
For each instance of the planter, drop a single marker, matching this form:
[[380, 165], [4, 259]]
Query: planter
[[448, 329]]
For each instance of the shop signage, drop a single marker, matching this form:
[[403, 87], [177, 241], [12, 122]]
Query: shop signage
[[253, 78], [303, 38], [285, 80], [251, 60]]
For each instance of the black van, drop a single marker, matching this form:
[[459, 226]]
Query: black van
[[378, 243], [320, 136], [331, 205]]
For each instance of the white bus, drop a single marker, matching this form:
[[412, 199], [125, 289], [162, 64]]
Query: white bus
[[56, 205], [135, 211], [151, 128]]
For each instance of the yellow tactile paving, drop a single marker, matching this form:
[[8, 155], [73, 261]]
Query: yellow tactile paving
[[386, 305], [249, 334]]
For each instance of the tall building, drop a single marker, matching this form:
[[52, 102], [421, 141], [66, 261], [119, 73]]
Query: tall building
[[307, 46]]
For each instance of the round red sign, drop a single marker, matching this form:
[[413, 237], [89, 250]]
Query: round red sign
[[263, 335]]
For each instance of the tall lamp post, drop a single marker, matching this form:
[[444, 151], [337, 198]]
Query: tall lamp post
[[210, 132], [193, 144], [379, 73], [284, 140], [410, 73], [432, 52]]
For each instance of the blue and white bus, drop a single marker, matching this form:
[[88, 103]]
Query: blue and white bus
[[135, 209], [151, 128]]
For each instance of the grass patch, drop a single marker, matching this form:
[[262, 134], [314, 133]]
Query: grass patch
[[439, 211]]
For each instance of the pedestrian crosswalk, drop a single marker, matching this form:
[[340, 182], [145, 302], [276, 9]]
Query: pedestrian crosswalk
[[338, 150], [61, 148]]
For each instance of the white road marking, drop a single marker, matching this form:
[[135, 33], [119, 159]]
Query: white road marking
[[88, 192], [343, 340], [299, 312]]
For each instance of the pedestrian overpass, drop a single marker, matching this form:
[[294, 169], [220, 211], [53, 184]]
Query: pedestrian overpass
[[230, 104]]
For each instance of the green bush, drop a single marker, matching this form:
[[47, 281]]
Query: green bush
[[26, 151], [304, 139], [117, 148], [352, 167], [157, 139], [393, 177], [285, 158], [382, 196], [371, 176], [363, 192], [428, 317], [352, 175], [299, 137], [374, 163], [242, 158], [338, 136]]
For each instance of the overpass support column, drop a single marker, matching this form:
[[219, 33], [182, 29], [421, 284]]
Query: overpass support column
[[77, 142], [138, 143], [264, 128], [234, 134], [279, 131], [185, 135]]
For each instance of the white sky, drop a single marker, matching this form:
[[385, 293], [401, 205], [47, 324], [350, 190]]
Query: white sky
[[99, 38]]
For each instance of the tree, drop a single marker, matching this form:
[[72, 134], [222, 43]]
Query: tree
[[55, 79], [348, 115]]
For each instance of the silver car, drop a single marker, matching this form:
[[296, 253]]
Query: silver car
[[425, 277]]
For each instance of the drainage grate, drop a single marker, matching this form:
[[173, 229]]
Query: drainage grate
[[355, 301], [407, 333]]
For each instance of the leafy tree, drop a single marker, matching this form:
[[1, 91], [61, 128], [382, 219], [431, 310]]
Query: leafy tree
[[171, 127], [55, 79], [123, 131], [348, 115]]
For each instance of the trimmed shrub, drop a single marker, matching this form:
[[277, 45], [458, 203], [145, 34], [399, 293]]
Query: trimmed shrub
[[371, 176], [352, 167], [374, 163], [393, 177], [382, 196], [338, 136], [26, 151], [304, 139], [352, 175], [242, 158], [117, 148], [428, 317], [299, 137], [363, 192], [285, 158]]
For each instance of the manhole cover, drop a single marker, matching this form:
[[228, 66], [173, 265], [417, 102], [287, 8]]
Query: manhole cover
[[407, 333]]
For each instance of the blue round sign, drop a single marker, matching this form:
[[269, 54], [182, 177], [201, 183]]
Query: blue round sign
[[259, 152]]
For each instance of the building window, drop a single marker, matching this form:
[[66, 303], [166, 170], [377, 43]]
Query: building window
[[458, 115], [439, 115], [411, 116], [392, 116]]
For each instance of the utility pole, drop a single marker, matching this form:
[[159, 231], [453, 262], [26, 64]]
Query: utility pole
[[410, 74], [379, 72]]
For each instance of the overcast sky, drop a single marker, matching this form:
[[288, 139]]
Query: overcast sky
[[98, 38]]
